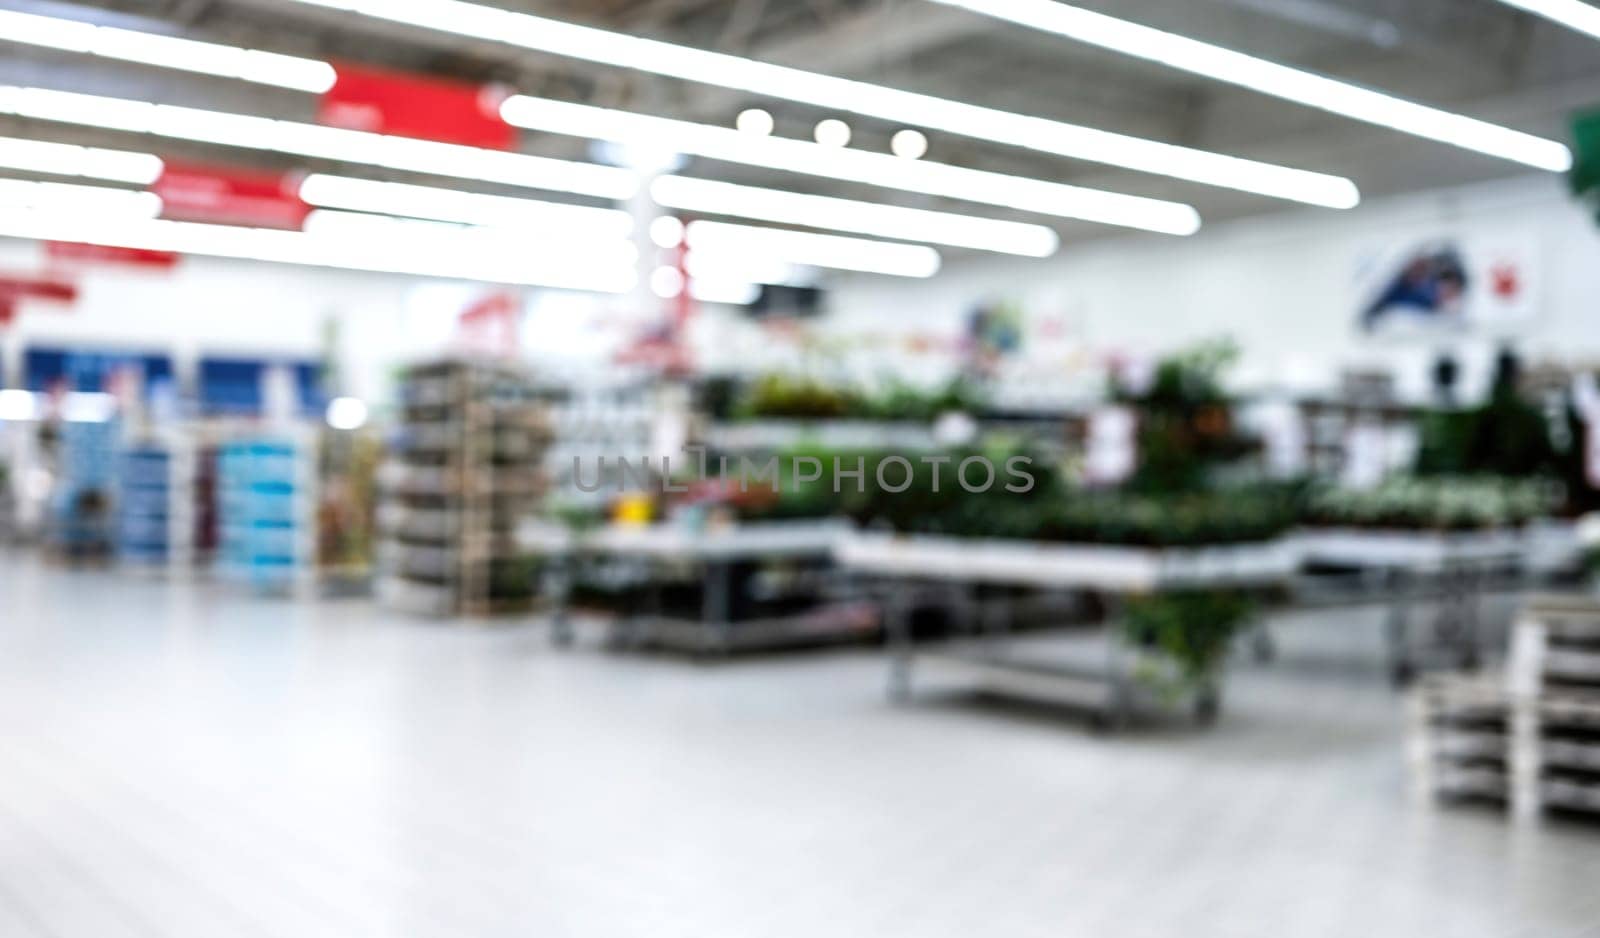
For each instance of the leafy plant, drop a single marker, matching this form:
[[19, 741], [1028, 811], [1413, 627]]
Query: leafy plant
[[799, 398], [1186, 426], [1506, 435], [1438, 503], [1192, 631]]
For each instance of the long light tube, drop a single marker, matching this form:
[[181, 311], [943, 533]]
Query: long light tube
[[1281, 81], [602, 266], [207, 58], [453, 205], [876, 169], [65, 159], [727, 245], [887, 221], [351, 146], [523, 30], [21, 194], [1573, 14]]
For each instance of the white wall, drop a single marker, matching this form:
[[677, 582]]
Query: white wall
[[1284, 286]]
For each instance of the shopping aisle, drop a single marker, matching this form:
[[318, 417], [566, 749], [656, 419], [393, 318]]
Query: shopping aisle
[[188, 762]]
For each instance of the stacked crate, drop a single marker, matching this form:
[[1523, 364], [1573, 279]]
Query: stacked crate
[[155, 505], [1529, 741], [464, 466], [1558, 652], [266, 511], [1464, 739]]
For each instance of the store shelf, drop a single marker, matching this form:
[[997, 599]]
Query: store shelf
[[462, 469]]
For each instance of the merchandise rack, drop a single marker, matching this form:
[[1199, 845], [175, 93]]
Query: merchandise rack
[[950, 570], [465, 465], [155, 504], [1455, 569], [81, 510], [266, 510], [713, 556], [1530, 742]]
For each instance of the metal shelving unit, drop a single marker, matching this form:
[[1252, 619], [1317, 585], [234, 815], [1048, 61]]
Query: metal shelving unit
[[465, 465], [721, 562], [950, 570]]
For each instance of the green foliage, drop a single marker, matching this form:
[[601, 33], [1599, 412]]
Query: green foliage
[[1442, 503], [1192, 630], [788, 397], [1185, 425], [1504, 436], [799, 398]]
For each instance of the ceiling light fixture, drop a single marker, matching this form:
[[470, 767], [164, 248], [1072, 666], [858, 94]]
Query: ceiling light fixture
[[469, 208], [1282, 81], [909, 144], [71, 198], [886, 221], [65, 159], [526, 31], [754, 121], [604, 267], [726, 246], [207, 58], [832, 132]]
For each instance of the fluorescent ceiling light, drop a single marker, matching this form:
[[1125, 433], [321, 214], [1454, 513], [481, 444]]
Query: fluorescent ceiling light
[[729, 245], [22, 195], [267, 68], [1282, 81], [845, 95], [604, 267], [1572, 14], [331, 143], [887, 221], [471, 208], [876, 169], [65, 159]]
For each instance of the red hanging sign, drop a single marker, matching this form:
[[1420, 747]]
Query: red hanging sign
[[14, 287], [227, 196], [414, 106], [78, 252]]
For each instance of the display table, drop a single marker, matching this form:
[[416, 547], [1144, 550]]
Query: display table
[[715, 552], [913, 566], [1456, 569]]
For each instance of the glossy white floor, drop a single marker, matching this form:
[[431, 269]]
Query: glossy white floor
[[191, 762]]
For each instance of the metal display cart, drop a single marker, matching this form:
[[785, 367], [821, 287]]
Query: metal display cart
[[913, 568], [1454, 569], [711, 556]]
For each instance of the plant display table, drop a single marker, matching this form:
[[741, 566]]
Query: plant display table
[[1456, 569], [714, 556], [909, 566]]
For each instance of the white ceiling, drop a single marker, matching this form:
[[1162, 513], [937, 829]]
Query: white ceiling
[[1477, 57]]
